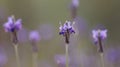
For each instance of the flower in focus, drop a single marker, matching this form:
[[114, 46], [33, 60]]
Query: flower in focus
[[66, 28], [99, 33], [11, 25], [34, 36]]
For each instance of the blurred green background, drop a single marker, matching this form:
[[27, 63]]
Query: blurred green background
[[42, 14]]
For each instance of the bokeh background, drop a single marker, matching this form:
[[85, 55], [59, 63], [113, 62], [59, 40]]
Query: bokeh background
[[44, 16]]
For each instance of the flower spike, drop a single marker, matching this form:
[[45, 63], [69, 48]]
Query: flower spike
[[66, 30], [98, 36]]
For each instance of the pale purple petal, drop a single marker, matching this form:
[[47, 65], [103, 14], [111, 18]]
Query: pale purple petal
[[104, 34], [10, 19], [7, 26], [18, 24], [95, 35]]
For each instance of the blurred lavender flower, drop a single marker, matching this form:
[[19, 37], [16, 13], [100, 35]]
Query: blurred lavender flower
[[60, 60], [66, 30], [11, 25], [73, 8], [75, 3], [113, 55], [99, 33], [34, 36], [3, 57], [46, 31], [23, 35], [98, 36]]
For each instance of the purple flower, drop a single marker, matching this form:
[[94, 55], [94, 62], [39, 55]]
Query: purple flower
[[66, 28], [61, 60], [34, 36], [99, 33], [75, 3], [11, 25]]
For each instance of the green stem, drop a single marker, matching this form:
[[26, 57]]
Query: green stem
[[35, 58], [67, 60], [17, 54], [102, 59]]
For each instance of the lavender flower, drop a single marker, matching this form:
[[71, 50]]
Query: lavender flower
[[73, 8], [66, 30], [60, 60], [11, 25], [98, 36], [75, 3], [34, 36], [99, 33]]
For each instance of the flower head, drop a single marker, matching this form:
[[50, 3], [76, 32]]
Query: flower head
[[34, 36], [75, 3], [61, 60], [66, 28], [11, 25], [99, 33]]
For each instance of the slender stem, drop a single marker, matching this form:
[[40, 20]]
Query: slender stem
[[102, 59], [17, 54], [67, 57], [35, 58]]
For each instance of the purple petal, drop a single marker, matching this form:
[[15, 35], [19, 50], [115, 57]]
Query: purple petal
[[8, 26], [18, 24], [95, 35], [104, 34]]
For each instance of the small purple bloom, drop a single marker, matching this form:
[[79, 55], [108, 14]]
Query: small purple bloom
[[34, 36], [75, 3], [11, 25], [61, 60], [66, 28], [99, 33]]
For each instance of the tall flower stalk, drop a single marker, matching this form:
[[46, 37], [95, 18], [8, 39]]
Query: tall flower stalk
[[66, 30], [13, 26], [34, 38], [98, 36], [73, 8]]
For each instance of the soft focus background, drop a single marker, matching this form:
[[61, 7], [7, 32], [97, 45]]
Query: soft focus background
[[44, 16]]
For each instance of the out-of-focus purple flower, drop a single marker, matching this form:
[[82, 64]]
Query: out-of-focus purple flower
[[113, 55], [75, 3], [46, 31], [23, 35], [60, 60], [99, 33], [66, 28], [11, 25], [34, 36], [3, 57]]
